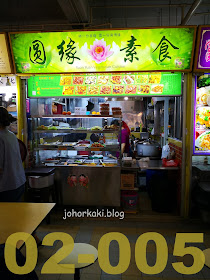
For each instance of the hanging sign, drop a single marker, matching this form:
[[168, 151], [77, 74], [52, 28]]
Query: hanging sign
[[8, 81], [149, 49], [105, 84], [202, 57], [5, 67]]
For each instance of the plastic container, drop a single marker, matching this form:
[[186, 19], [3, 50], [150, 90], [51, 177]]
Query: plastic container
[[127, 161], [129, 200], [104, 112], [116, 111], [59, 109]]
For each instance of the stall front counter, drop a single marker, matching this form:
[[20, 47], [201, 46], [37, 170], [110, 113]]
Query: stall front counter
[[88, 185]]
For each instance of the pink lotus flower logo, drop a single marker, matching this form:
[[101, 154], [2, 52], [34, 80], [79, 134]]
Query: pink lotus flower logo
[[100, 51]]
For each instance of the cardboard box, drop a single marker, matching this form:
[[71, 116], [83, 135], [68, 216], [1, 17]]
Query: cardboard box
[[127, 181]]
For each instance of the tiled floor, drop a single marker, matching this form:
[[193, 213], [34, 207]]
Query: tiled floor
[[90, 231]]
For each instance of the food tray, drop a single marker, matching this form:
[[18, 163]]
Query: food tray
[[51, 161], [81, 147], [110, 160], [70, 144]]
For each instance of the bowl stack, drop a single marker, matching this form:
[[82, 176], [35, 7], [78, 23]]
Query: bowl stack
[[116, 111], [104, 109]]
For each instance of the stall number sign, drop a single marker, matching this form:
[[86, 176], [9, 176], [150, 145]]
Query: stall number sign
[[123, 84], [56, 264], [4, 56], [104, 51]]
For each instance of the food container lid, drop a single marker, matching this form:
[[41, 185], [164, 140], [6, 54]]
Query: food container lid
[[116, 108], [104, 104]]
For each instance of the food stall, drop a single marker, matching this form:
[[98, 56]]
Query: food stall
[[85, 66]]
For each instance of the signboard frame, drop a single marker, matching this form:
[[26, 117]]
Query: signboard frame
[[197, 50], [198, 152], [87, 30], [9, 54]]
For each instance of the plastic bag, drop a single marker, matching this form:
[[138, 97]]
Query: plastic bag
[[170, 163], [165, 151]]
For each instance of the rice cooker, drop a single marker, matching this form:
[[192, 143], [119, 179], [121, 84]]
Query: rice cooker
[[149, 149]]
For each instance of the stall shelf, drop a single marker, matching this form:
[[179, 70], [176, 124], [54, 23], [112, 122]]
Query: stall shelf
[[89, 182]]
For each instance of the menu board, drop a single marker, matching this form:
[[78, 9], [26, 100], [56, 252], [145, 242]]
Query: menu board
[[148, 49], [202, 116], [123, 84], [5, 67], [202, 58]]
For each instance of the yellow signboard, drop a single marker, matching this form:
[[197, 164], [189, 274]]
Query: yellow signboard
[[5, 66]]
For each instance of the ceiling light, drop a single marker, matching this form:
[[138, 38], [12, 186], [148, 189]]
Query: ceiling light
[[126, 98]]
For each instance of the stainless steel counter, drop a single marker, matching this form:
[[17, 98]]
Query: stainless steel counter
[[101, 185], [154, 165]]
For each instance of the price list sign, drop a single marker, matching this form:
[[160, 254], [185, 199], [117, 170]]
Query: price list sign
[[105, 84]]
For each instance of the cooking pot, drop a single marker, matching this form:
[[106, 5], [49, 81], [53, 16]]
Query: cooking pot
[[148, 149]]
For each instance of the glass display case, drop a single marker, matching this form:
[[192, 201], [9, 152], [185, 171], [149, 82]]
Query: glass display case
[[85, 151]]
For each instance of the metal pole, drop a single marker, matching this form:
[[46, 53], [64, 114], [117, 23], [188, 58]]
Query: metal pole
[[20, 115], [180, 117], [175, 117], [191, 11], [187, 144], [166, 106], [21, 112]]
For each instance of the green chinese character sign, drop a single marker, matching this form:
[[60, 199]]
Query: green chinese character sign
[[155, 49]]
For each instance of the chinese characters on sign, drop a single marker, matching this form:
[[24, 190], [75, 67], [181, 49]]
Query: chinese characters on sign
[[8, 81], [131, 50], [70, 51], [154, 49], [163, 52], [207, 48], [37, 52]]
